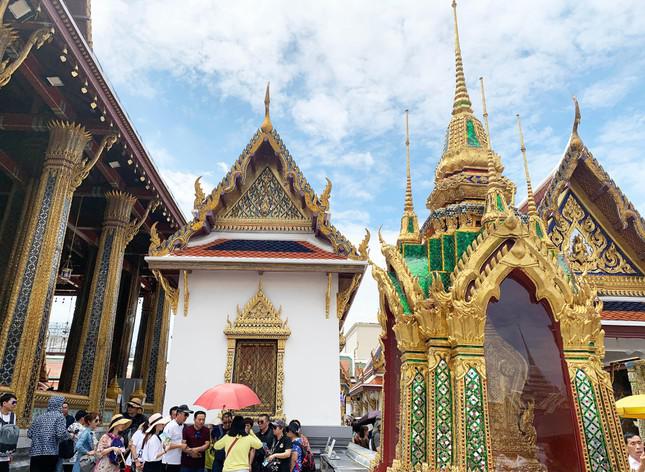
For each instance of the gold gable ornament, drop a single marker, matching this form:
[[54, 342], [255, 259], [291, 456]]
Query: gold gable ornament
[[260, 322]]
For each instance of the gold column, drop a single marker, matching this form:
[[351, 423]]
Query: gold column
[[121, 345], [156, 349], [91, 370], [30, 299]]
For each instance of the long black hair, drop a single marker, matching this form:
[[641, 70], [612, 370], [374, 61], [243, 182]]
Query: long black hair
[[237, 427]]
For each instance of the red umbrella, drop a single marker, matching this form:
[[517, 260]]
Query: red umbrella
[[228, 396]]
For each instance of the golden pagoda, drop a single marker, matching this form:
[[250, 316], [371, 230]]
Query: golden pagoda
[[493, 346]]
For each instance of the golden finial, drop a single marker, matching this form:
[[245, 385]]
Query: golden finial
[[462, 100], [267, 126], [409, 206], [530, 198], [576, 142], [492, 173]]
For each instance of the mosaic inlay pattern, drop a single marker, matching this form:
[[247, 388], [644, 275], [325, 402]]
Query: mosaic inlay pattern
[[418, 422], [44, 325], [476, 459], [266, 198], [27, 281], [92, 335], [154, 350], [443, 415], [594, 435]]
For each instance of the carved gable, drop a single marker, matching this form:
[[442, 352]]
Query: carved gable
[[265, 203], [578, 234]]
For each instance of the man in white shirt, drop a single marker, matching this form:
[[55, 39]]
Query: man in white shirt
[[635, 453], [7, 416], [174, 432]]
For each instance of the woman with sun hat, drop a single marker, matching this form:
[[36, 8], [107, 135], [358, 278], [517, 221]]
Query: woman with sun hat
[[110, 449]]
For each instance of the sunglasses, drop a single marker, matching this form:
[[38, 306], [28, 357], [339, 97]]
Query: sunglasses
[[14, 402]]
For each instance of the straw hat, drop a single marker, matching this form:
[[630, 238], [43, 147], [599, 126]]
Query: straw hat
[[135, 402], [155, 420], [118, 420]]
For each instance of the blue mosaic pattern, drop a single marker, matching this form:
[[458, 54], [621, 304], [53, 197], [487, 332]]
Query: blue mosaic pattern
[[53, 276], [94, 322], [154, 349], [594, 435], [27, 281]]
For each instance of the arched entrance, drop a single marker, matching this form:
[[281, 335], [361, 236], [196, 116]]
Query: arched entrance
[[531, 412]]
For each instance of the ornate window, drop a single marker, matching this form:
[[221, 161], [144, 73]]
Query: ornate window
[[255, 355]]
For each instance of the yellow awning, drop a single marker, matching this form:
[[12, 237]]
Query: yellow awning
[[632, 407]]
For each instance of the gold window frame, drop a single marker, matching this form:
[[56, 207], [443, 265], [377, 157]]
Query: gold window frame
[[259, 319]]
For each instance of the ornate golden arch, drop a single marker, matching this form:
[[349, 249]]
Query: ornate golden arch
[[259, 320]]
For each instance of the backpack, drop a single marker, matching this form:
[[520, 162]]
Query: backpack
[[66, 449], [308, 462], [9, 434]]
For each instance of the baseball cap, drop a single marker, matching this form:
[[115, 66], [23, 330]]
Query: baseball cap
[[184, 409]]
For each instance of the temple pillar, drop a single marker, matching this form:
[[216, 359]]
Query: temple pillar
[[414, 411], [154, 373], [76, 328], [142, 335], [636, 376], [13, 231], [91, 369], [27, 319], [121, 314], [122, 343]]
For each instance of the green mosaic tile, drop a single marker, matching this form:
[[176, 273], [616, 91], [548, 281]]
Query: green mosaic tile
[[445, 278], [594, 435], [448, 242], [410, 225], [443, 415], [472, 136], [464, 239], [436, 259], [476, 455], [399, 291], [418, 420], [416, 259], [538, 229], [500, 205]]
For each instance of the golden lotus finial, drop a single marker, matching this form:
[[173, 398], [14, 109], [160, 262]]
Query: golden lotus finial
[[461, 102], [267, 126], [409, 204]]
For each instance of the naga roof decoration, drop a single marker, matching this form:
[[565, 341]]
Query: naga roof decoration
[[211, 211]]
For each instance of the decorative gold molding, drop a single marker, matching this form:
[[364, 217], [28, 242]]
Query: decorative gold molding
[[9, 36], [186, 292], [259, 319], [328, 295], [343, 296]]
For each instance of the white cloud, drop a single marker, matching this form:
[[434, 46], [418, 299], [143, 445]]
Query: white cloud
[[340, 68], [607, 92]]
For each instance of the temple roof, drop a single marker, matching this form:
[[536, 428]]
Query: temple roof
[[258, 248], [581, 172]]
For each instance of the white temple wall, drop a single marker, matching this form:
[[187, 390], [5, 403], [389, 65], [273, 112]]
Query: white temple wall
[[197, 357]]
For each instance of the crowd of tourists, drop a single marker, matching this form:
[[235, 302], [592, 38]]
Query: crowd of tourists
[[180, 441]]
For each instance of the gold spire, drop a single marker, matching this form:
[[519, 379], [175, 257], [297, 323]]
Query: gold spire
[[409, 206], [409, 222], [267, 126], [481, 81], [530, 198], [462, 100]]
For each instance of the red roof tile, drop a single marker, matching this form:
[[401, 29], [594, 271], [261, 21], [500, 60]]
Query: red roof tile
[[623, 315], [267, 249]]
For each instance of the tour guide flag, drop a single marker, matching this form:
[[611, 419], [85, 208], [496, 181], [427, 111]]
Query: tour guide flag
[[231, 396], [632, 407]]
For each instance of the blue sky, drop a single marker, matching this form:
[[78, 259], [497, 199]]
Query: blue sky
[[191, 75]]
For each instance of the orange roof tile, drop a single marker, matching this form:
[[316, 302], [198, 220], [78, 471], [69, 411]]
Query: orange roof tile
[[622, 315]]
